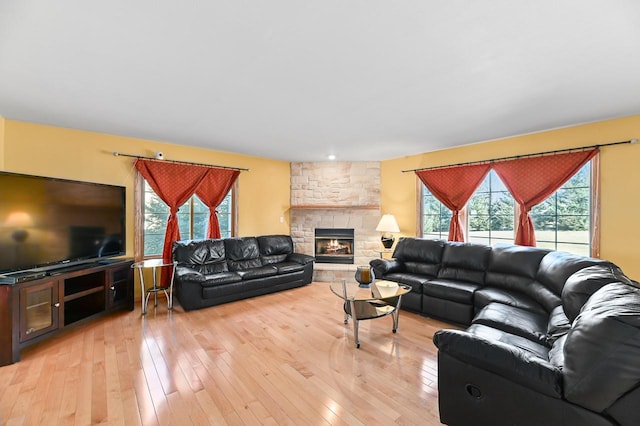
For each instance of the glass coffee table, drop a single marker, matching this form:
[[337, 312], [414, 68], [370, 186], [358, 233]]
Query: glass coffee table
[[364, 303]]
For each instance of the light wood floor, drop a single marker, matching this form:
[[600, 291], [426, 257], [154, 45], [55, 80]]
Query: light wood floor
[[284, 358]]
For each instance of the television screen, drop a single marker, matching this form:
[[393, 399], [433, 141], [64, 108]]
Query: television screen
[[47, 222]]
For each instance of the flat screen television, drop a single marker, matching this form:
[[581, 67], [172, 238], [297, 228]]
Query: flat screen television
[[47, 223]]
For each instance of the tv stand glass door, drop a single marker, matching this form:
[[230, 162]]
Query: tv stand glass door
[[40, 305]]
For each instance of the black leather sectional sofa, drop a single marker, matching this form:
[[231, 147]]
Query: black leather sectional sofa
[[215, 271], [551, 338]]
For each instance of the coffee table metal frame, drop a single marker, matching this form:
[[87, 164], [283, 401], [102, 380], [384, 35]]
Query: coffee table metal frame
[[381, 299]]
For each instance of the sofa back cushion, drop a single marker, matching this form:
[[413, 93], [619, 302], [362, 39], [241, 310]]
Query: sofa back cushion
[[204, 256], [242, 253], [513, 266], [275, 248], [602, 349], [420, 255], [557, 266], [582, 284], [465, 262]]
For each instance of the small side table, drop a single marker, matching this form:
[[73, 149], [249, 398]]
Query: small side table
[[154, 265]]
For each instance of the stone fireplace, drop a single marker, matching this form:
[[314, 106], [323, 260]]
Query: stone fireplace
[[336, 195]]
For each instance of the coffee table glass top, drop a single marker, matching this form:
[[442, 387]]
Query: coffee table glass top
[[379, 289]]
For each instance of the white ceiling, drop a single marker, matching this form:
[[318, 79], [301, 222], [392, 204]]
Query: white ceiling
[[297, 80]]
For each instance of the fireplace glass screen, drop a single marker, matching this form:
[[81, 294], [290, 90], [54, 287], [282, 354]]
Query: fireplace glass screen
[[334, 245]]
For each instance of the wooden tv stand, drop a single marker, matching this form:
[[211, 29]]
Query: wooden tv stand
[[33, 311]]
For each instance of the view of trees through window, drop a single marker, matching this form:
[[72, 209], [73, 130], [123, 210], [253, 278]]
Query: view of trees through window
[[435, 218], [491, 212], [562, 222], [193, 217]]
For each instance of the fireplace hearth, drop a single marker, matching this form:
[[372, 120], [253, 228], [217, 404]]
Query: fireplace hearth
[[334, 245]]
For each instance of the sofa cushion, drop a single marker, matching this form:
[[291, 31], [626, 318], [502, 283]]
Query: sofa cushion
[[514, 260], [415, 281], [274, 248], [420, 268], [487, 295], [259, 272], [514, 268], [557, 266], [465, 262], [423, 255], [187, 274], [287, 267], [527, 324], [543, 295], [242, 253], [558, 325], [602, 348], [556, 354], [220, 278], [522, 344], [275, 244], [582, 284], [204, 256], [456, 291], [276, 258]]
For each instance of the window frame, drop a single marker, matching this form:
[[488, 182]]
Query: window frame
[[139, 199], [594, 213]]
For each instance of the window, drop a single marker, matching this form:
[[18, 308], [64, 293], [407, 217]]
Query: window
[[193, 217], [435, 216], [563, 221], [491, 214]]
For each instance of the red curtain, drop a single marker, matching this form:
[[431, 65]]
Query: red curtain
[[453, 186], [174, 183], [532, 180], [212, 190]]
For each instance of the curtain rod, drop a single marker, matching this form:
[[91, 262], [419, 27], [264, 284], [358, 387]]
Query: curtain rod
[[513, 157], [120, 154]]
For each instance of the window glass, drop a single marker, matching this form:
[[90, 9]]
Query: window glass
[[491, 212], [563, 221], [435, 217], [193, 218]]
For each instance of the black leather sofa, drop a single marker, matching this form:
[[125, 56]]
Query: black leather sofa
[[552, 338], [215, 271]]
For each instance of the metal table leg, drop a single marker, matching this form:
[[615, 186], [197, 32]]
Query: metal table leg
[[144, 292]]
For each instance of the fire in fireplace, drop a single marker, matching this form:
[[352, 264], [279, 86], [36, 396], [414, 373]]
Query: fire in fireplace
[[334, 245]]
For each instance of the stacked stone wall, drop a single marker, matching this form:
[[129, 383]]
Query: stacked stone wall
[[336, 195]]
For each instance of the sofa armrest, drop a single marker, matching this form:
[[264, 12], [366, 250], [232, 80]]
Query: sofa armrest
[[385, 266], [186, 274], [300, 258], [502, 359]]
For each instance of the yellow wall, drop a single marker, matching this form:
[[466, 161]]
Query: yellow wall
[[620, 180], [1, 142], [263, 191]]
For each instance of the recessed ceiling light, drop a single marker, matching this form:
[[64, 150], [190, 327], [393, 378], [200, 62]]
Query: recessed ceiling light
[[331, 157]]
